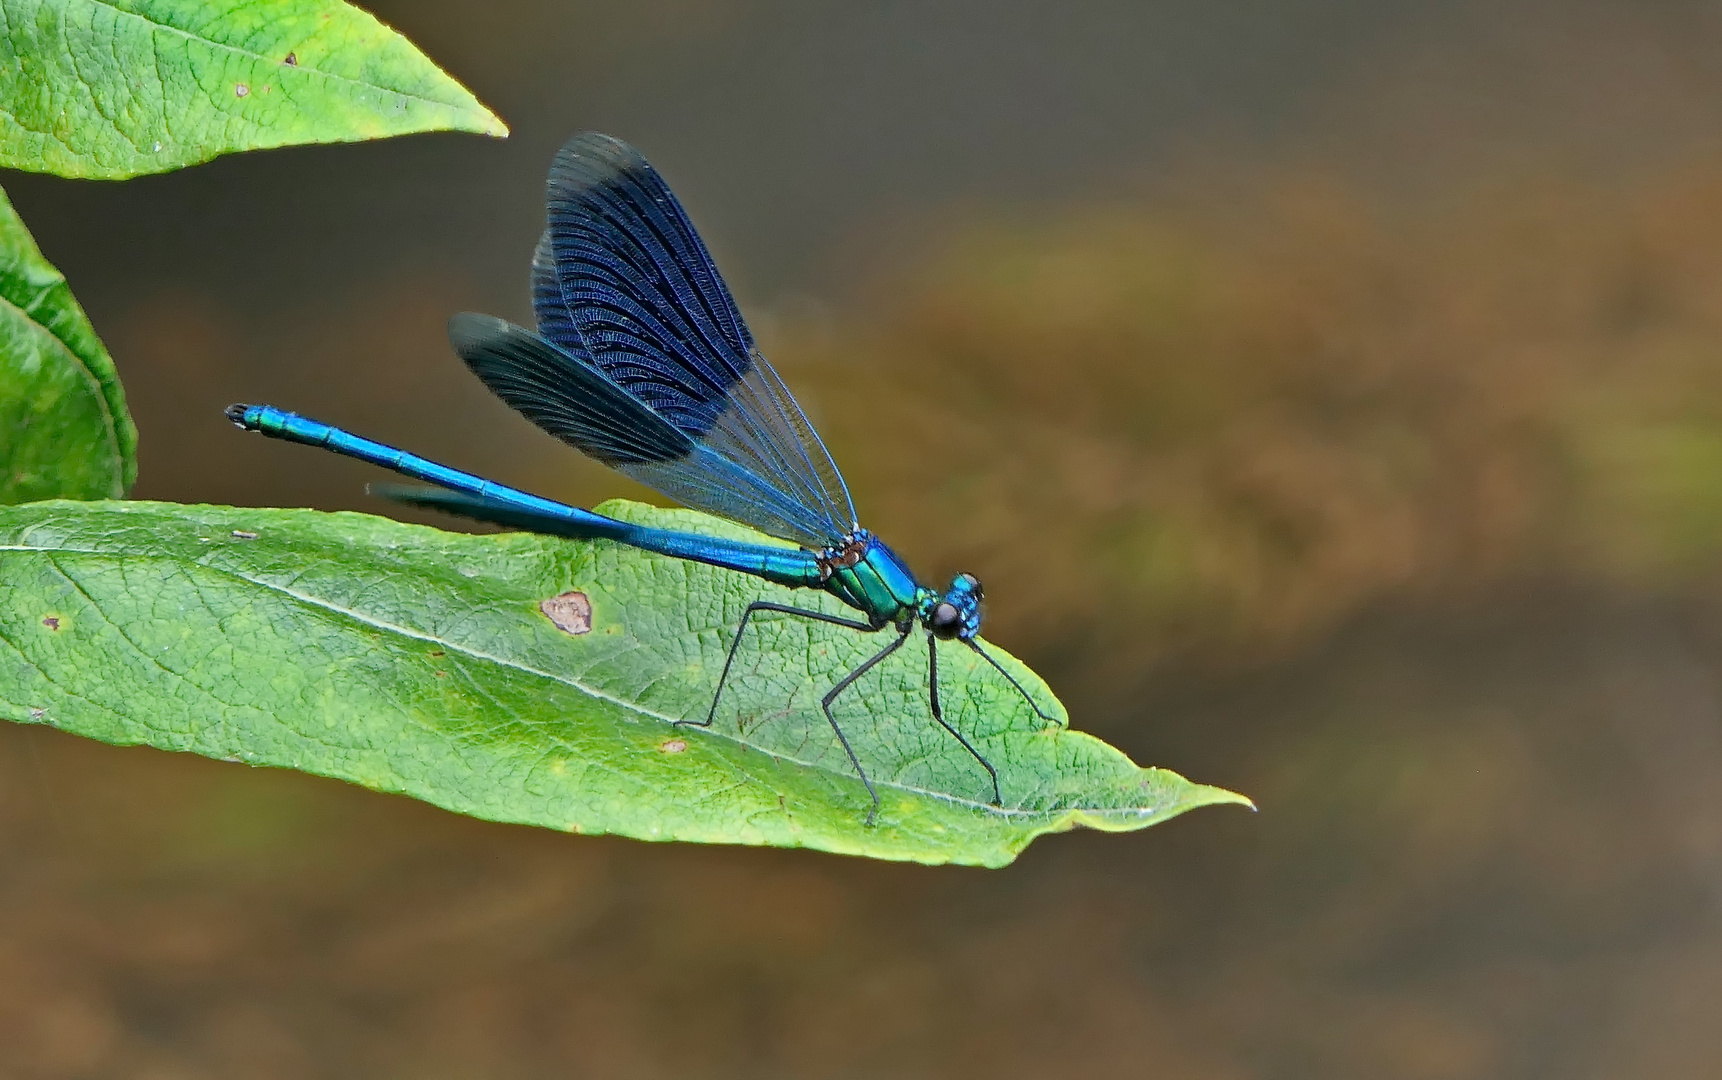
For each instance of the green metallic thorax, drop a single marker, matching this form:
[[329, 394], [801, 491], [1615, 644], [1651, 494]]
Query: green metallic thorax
[[878, 583]]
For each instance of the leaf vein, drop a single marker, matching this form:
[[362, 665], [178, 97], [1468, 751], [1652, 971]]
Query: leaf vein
[[527, 669]]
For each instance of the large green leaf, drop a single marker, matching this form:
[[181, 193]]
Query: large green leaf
[[108, 89], [64, 430], [417, 661]]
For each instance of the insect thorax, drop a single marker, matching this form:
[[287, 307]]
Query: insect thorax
[[868, 576]]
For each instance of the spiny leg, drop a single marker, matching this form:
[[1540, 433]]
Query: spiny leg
[[988, 657], [938, 714], [844, 684], [764, 605]]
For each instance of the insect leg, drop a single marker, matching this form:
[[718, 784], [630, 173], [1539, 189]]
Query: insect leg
[[938, 714], [844, 684], [988, 657], [763, 605]]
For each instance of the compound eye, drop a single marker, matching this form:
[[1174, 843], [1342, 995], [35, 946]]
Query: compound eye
[[945, 621], [973, 582]]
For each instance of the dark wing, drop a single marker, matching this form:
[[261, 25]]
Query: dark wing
[[577, 403], [570, 400], [623, 283]]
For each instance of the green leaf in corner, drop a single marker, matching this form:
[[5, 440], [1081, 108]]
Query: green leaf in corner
[[64, 430], [527, 679], [107, 89]]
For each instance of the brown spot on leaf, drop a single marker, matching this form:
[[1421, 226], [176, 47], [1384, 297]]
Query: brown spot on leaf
[[571, 612], [672, 746], [240, 89], [52, 622], [438, 652], [292, 60], [241, 534]]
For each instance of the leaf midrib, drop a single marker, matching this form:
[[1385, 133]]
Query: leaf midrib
[[122, 13], [478, 654]]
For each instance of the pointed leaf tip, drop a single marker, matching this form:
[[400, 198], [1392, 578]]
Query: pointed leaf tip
[[107, 89], [527, 679]]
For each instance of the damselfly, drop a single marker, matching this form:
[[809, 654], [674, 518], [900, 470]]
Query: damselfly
[[643, 362]]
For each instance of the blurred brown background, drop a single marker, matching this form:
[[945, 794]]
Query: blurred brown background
[[1328, 391]]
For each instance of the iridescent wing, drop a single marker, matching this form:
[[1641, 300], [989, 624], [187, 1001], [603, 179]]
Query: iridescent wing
[[579, 404], [622, 284]]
